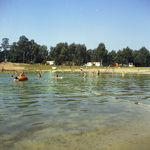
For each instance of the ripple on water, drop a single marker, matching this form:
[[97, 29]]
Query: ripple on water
[[40, 110]]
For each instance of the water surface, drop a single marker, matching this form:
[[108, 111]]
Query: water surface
[[70, 113]]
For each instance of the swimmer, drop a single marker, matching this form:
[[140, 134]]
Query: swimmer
[[56, 77], [85, 75], [81, 68], [123, 74], [92, 74], [98, 72], [16, 79], [12, 76], [39, 75], [22, 74]]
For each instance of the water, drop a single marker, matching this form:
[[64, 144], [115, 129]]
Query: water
[[70, 113]]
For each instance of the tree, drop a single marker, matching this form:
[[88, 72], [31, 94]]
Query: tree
[[57, 53], [71, 51], [94, 56], [128, 55], [64, 54], [102, 53], [141, 57], [13, 56], [112, 57], [136, 58], [145, 56], [52, 49], [120, 59], [23, 47], [89, 55], [5, 45], [42, 54], [34, 51], [80, 54]]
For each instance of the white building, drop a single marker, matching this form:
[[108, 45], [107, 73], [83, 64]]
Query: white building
[[50, 62], [130, 64], [93, 64]]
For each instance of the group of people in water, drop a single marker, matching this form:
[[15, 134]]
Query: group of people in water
[[56, 76], [22, 75], [17, 78], [92, 73]]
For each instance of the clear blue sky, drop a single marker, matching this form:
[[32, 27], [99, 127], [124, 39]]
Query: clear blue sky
[[116, 23]]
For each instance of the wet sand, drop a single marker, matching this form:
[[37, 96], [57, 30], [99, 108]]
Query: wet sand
[[110, 137]]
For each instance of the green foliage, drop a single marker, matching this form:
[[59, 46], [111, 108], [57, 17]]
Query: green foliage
[[34, 60], [127, 55], [5, 46], [27, 51], [101, 53], [112, 57], [23, 51]]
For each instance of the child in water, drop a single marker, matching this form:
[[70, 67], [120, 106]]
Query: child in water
[[22, 74], [85, 75], [39, 75], [16, 79], [98, 72]]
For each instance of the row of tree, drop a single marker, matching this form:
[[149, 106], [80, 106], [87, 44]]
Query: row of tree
[[23, 51], [26, 51]]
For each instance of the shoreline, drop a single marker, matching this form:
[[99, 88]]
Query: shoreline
[[128, 71]]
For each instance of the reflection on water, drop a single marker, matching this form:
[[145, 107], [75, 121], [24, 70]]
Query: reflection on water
[[42, 113]]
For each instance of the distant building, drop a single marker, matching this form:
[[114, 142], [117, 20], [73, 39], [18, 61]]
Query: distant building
[[93, 63], [131, 65], [50, 62], [115, 65]]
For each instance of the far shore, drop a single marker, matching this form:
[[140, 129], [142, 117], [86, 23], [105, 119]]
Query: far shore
[[19, 67]]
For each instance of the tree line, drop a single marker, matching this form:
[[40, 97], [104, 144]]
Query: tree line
[[25, 51]]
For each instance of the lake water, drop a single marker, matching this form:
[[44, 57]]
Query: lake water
[[71, 113]]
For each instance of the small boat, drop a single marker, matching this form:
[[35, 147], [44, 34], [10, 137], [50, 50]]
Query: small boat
[[22, 78]]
